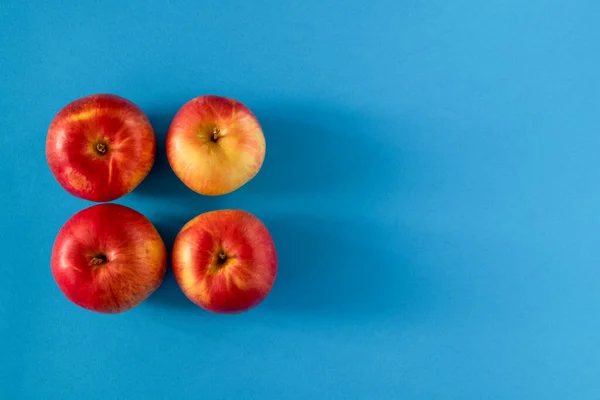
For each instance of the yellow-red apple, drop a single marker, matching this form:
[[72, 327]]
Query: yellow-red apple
[[215, 145], [225, 261], [100, 147], [108, 258]]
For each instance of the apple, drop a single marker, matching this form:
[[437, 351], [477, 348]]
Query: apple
[[215, 145], [225, 261], [100, 147], [108, 258]]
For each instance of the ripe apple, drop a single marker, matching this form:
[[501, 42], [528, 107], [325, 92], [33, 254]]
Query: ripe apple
[[100, 147], [225, 261], [108, 258], [215, 145]]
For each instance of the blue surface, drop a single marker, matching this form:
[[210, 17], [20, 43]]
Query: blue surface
[[431, 183]]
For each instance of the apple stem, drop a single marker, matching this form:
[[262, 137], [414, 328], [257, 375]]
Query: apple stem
[[215, 134], [97, 260], [222, 257], [101, 148]]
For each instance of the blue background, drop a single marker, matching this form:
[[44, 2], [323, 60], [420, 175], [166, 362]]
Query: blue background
[[431, 183]]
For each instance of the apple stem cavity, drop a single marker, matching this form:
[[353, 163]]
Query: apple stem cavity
[[101, 148]]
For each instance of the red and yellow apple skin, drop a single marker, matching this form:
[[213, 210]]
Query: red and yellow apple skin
[[108, 258], [225, 261], [100, 147], [215, 145]]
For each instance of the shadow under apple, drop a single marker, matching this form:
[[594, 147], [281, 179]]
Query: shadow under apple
[[334, 267], [327, 150]]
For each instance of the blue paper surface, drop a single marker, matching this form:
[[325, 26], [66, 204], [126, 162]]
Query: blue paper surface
[[431, 184]]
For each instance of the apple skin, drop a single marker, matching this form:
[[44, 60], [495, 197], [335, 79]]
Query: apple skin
[[100, 147], [108, 258], [225, 261], [215, 145]]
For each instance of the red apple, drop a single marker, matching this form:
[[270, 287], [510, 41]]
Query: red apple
[[225, 261], [100, 147], [108, 258], [215, 145]]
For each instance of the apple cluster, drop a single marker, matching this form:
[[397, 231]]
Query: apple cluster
[[109, 258]]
